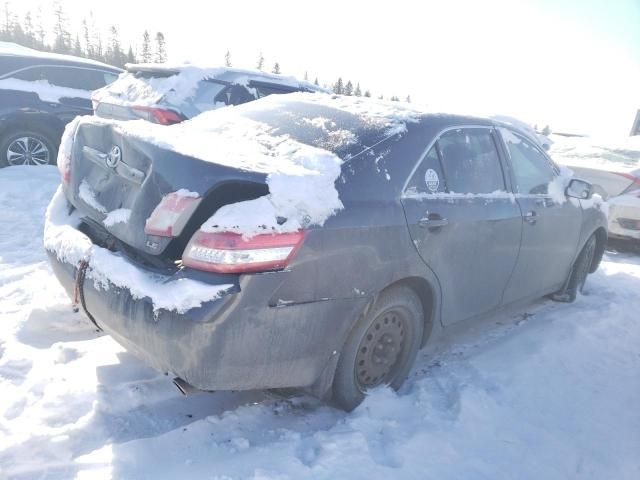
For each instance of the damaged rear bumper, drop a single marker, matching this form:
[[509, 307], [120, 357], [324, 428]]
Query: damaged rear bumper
[[236, 341]]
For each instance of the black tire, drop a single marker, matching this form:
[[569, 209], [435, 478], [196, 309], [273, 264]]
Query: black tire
[[387, 338], [43, 149], [580, 270]]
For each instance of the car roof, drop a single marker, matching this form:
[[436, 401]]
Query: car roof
[[213, 72], [24, 56]]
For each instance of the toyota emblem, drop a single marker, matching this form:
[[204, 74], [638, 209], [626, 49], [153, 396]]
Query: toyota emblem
[[114, 156]]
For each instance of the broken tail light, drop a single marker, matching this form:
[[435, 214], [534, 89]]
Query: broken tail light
[[172, 213], [228, 252]]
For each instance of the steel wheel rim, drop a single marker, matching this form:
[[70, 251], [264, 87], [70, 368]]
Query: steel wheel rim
[[27, 151], [380, 353]]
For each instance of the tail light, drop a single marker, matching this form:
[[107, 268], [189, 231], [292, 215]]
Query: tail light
[[172, 213], [227, 252], [64, 165], [157, 115]]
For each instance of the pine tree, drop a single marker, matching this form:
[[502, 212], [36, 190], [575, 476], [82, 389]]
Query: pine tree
[[114, 54], [97, 47], [161, 48], [260, 65], [77, 48], [381, 97], [146, 47], [276, 68], [315, 82], [395, 99], [227, 59], [338, 87], [367, 93], [546, 130], [88, 48], [62, 37], [348, 88], [408, 99], [131, 58], [39, 33], [30, 39], [306, 76], [357, 92], [6, 30]]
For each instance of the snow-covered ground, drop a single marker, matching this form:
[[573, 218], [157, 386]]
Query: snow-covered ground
[[549, 392]]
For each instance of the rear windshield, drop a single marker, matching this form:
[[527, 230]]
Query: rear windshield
[[342, 133]]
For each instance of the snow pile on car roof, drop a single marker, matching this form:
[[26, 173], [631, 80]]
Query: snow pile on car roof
[[175, 83], [9, 48], [301, 177], [602, 154]]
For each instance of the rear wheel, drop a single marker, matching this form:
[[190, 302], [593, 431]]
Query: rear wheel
[[381, 348], [26, 148], [579, 272]]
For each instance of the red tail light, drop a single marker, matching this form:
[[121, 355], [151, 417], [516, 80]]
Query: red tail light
[[227, 252], [157, 115], [64, 165], [172, 213]]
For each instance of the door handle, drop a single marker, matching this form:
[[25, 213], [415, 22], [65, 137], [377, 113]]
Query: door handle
[[432, 220], [531, 217]]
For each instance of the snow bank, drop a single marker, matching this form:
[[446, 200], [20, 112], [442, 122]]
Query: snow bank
[[44, 90], [622, 155], [107, 269]]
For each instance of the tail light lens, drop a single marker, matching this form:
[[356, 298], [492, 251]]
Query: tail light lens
[[172, 213], [157, 115], [227, 252], [64, 166]]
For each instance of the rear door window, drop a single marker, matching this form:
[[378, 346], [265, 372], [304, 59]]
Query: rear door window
[[470, 161], [531, 168], [428, 177], [68, 77]]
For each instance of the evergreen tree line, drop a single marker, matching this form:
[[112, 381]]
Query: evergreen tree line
[[89, 43], [339, 86], [29, 31]]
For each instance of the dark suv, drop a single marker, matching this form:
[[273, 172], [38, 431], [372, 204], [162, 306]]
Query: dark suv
[[39, 94]]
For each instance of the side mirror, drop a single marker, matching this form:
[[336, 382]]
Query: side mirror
[[579, 189]]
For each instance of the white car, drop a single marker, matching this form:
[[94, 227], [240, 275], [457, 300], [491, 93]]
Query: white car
[[614, 171]]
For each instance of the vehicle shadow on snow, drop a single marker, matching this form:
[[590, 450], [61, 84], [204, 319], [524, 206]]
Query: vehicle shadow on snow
[[45, 327]]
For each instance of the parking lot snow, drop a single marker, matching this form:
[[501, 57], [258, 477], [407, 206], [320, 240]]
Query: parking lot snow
[[549, 391]]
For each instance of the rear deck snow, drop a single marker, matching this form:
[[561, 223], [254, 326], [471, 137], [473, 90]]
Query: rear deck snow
[[550, 392], [108, 269]]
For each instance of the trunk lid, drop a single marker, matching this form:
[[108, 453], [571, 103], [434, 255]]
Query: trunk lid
[[118, 180]]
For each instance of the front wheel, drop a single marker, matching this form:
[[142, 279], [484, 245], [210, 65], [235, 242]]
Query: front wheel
[[579, 272], [26, 148], [381, 348]]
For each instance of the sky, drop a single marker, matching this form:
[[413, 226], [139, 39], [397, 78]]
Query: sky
[[572, 64]]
